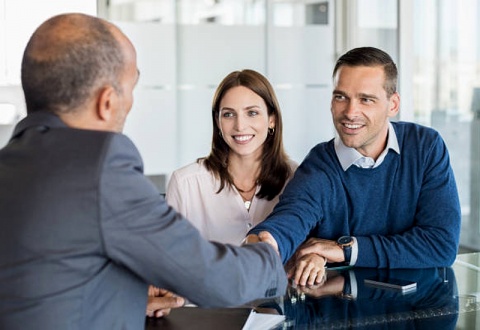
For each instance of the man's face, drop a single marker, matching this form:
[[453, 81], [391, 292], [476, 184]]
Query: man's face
[[360, 108]]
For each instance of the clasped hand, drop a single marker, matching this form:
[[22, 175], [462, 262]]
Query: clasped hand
[[308, 269], [307, 266]]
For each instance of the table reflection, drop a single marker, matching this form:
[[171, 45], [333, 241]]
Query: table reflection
[[345, 301]]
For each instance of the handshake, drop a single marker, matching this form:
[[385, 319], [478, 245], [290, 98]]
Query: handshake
[[263, 236], [306, 269], [307, 265]]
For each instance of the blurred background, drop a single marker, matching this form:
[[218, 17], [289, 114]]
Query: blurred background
[[185, 48]]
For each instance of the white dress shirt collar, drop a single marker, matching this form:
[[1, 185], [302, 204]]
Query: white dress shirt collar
[[349, 156]]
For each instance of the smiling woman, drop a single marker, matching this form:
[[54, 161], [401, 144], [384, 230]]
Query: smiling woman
[[237, 185]]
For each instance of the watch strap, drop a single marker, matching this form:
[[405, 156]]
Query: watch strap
[[347, 253]]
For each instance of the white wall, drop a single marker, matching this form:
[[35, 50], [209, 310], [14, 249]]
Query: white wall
[[18, 20], [152, 123]]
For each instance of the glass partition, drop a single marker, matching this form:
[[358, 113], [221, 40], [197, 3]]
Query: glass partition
[[446, 85], [18, 20], [437, 46], [186, 47]]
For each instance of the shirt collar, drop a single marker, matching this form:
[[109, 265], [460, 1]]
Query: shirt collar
[[347, 156]]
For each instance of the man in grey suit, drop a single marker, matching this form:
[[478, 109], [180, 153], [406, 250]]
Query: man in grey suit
[[82, 230]]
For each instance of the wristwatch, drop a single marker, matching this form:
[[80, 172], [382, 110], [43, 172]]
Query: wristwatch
[[346, 242]]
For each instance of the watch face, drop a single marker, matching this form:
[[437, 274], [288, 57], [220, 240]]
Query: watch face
[[345, 240]]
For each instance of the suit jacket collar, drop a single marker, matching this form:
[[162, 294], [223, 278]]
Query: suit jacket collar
[[42, 119]]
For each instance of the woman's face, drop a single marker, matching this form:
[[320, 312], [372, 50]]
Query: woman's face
[[244, 121]]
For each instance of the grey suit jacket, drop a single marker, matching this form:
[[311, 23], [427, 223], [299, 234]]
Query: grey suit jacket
[[83, 232]]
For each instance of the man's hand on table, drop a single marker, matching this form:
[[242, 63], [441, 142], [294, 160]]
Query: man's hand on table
[[308, 269], [161, 301], [307, 266]]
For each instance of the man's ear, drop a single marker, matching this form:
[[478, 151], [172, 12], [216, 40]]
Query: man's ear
[[394, 105], [106, 103]]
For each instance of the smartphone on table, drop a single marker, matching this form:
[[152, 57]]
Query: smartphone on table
[[392, 284]]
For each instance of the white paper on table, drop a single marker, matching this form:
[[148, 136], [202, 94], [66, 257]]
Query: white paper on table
[[262, 321]]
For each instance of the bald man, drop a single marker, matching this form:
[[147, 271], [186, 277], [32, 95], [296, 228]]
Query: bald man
[[82, 231]]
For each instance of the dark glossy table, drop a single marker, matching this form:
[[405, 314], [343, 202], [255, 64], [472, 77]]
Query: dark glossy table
[[445, 298]]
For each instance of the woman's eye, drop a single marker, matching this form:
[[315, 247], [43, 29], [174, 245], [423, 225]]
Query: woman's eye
[[227, 114], [252, 113]]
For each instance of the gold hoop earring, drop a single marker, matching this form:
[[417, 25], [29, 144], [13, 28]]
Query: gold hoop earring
[[271, 130]]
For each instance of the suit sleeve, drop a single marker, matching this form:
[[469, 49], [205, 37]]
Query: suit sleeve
[[148, 237]]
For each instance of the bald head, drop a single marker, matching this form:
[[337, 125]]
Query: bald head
[[68, 59]]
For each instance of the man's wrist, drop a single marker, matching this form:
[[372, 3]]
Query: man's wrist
[[354, 256], [346, 242]]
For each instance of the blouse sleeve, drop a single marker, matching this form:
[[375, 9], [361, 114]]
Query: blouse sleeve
[[174, 195]]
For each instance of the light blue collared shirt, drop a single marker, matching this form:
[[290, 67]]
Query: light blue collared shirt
[[349, 156]]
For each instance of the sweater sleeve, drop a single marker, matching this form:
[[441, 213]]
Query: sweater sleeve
[[433, 239], [299, 209]]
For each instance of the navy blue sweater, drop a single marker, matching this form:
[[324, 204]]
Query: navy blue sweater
[[404, 213]]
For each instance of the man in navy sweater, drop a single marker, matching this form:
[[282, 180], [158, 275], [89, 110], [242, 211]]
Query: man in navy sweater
[[380, 194]]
